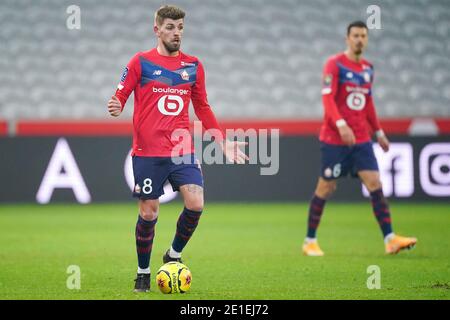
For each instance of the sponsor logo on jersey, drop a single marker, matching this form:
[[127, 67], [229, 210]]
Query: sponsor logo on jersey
[[185, 75], [357, 89], [327, 84], [137, 189], [180, 92], [349, 75], [366, 76], [327, 80], [124, 75], [157, 72], [170, 105], [187, 64], [356, 101]]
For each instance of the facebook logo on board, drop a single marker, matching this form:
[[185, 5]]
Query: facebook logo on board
[[396, 170]]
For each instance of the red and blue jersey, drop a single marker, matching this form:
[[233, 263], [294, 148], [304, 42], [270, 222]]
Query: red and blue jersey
[[163, 88], [347, 95]]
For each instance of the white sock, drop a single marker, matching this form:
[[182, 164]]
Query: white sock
[[174, 254], [389, 237], [309, 240], [146, 271]]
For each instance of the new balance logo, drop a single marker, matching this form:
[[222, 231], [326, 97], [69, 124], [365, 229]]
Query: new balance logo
[[157, 72]]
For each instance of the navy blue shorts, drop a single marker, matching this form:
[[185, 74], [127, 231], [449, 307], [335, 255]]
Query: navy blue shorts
[[339, 161], [151, 173]]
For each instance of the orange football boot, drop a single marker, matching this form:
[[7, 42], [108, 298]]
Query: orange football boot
[[312, 249], [398, 243]]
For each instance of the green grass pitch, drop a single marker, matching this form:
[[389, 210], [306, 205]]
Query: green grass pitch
[[239, 251]]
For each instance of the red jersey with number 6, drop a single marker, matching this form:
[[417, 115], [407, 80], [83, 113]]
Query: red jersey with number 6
[[163, 88], [347, 95]]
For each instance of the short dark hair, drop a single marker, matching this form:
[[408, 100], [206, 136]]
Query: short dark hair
[[168, 12], [356, 24]]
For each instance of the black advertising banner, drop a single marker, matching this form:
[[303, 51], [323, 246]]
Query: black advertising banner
[[98, 169]]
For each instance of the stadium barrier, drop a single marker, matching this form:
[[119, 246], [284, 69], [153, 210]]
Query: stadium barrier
[[403, 126], [3, 128]]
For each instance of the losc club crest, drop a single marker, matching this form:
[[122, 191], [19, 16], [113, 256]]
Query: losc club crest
[[185, 75]]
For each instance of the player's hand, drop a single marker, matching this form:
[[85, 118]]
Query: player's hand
[[347, 135], [232, 152], [114, 106], [384, 143]]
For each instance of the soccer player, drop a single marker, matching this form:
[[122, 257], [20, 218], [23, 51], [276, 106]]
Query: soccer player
[[346, 146], [164, 81]]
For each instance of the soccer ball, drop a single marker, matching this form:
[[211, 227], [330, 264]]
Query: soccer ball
[[174, 277]]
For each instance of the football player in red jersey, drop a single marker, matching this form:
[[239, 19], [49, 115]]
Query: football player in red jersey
[[164, 81], [346, 146]]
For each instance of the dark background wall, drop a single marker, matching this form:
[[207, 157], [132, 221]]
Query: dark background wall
[[101, 160]]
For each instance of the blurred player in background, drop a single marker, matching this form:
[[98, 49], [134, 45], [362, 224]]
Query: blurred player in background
[[346, 146], [164, 81]]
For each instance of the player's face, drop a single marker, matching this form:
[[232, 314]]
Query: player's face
[[357, 40], [170, 33]]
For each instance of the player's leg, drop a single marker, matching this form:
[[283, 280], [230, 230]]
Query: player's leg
[[188, 179], [149, 175], [371, 180], [144, 234], [366, 166], [324, 189], [187, 221], [393, 243], [334, 164]]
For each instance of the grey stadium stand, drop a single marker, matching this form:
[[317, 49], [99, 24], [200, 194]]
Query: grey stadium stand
[[263, 58]]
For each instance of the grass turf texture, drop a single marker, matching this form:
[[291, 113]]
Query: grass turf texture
[[239, 251]]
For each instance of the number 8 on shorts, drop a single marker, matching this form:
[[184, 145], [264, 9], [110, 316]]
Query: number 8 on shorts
[[147, 187]]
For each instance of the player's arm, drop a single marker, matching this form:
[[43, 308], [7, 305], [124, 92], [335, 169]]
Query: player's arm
[[127, 84], [374, 123], [329, 91], [206, 116]]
